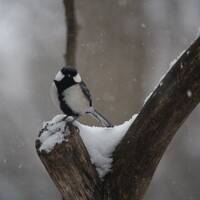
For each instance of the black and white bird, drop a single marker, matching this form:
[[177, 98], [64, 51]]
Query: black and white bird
[[71, 95]]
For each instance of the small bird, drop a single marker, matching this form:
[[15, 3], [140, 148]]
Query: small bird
[[70, 94]]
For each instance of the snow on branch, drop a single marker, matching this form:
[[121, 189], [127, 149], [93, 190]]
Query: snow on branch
[[100, 142], [78, 156]]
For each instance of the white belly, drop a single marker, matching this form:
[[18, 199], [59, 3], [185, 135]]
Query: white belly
[[76, 100]]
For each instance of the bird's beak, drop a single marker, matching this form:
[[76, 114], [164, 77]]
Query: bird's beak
[[77, 78]]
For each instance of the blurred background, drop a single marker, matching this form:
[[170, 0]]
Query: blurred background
[[124, 47]]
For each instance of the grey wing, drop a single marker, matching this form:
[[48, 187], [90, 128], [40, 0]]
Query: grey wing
[[86, 92]]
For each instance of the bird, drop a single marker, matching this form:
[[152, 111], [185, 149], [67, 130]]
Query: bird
[[71, 95]]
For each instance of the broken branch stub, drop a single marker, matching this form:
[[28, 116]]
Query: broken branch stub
[[70, 168]]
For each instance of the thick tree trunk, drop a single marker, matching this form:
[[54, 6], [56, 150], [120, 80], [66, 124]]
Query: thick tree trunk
[[140, 151], [69, 166]]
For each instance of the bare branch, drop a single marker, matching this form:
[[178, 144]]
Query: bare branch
[[71, 24], [139, 153]]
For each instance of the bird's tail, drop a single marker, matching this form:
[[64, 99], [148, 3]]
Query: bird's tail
[[101, 118]]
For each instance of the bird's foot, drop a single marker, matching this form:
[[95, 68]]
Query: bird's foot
[[63, 121], [69, 122]]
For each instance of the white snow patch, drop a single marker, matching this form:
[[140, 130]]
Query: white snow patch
[[99, 141], [189, 93], [172, 62], [148, 97], [162, 78], [170, 66], [52, 133], [175, 60]]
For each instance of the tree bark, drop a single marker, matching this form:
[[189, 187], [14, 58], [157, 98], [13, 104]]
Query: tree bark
[[137, 156], [69, 166], [71, 34]]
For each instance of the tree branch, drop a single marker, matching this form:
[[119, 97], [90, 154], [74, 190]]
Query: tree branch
[[71, 24], [137, 156]]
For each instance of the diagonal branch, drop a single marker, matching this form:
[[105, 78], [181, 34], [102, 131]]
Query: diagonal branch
[[71, 39], [139, 153]]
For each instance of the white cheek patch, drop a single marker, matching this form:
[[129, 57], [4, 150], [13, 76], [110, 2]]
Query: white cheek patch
[[77, 78], [59, 76]]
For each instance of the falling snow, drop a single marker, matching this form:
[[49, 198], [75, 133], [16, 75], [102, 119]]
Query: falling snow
[[143, 25], [189, 93]]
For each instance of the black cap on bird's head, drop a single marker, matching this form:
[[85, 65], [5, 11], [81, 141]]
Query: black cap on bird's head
[[67, 77], [69, 71]]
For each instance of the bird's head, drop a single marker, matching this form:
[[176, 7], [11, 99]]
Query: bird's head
[[67, 76]]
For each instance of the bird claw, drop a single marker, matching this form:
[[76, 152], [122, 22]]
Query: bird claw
[[69, 122]]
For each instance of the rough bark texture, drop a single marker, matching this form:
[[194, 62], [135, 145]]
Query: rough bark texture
[[69, 166], [71, 24], [140, 151]]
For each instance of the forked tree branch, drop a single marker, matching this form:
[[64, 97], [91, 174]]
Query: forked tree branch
[[137, 156]]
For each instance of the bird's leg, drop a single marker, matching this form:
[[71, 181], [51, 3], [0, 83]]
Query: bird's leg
[[70, 122], [97, 115]]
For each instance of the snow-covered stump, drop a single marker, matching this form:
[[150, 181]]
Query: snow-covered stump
[[66, 160], [78, 158]]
